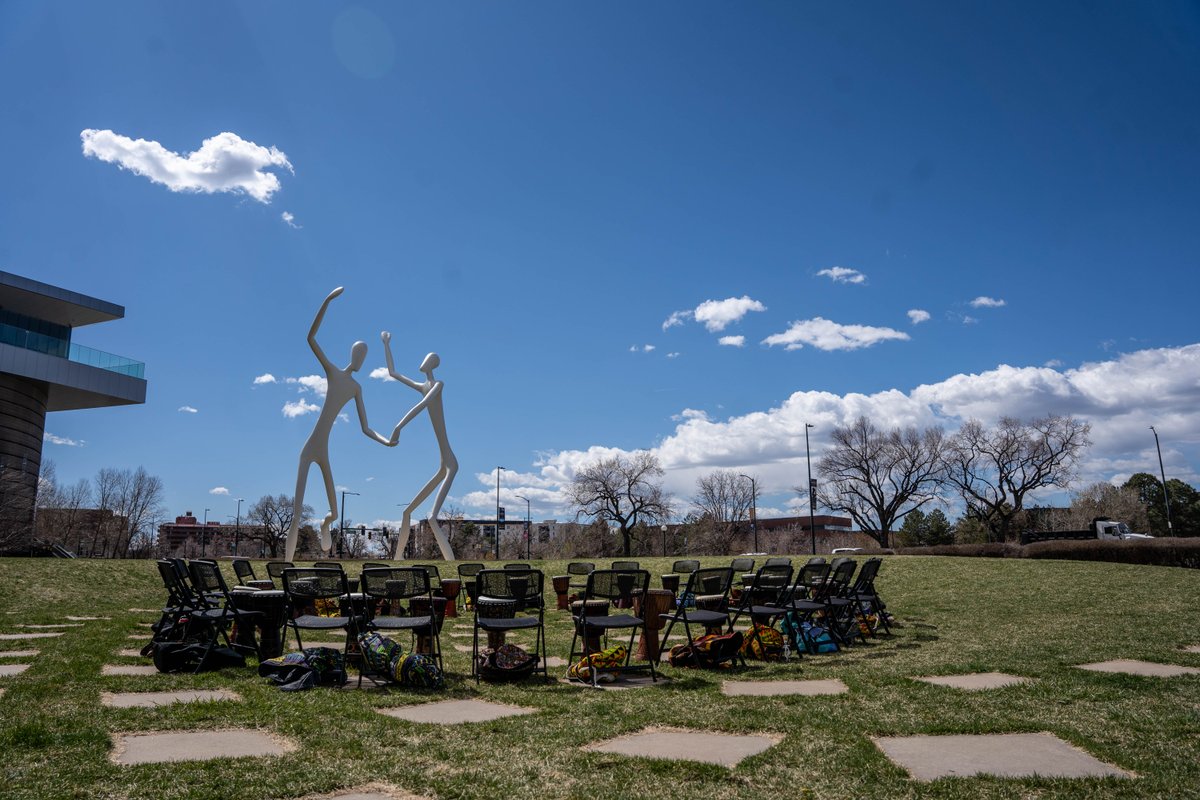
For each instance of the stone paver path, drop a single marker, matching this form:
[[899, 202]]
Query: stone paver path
[[370, 792], [462, 635], [555, 661], [130, 652], [976, 681], [463, 648], [153, 748], [1192, 648], [777, 688], [1007, 755], [145, 610], [454, 712], [624, 681], [53, 626], [8, 670], [141, 637], [18, 653], [725, 749], [85, 619], [1134, 667], [151, 699], [16, 636], [120, 669]]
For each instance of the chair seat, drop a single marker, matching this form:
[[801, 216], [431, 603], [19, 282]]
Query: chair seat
[[806, 605], [402, 623], [765, 611], [618, 621], [699, 616], [321, 623], [506, 624]]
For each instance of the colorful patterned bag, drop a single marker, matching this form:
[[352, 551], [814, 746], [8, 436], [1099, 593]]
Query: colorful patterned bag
[[378, 650], [316, 666], [713, 650], [611, 658], [506, 663], [763, 643], [417, 671]]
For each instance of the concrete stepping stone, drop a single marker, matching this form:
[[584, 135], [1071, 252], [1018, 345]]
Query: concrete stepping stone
[[459, 627], [130, 652], [1, 693], [85, 619], [1131, 666], [555, 661], [8, 670], [810, 688], [18, 653], [155, 748], [1006, 755], [14, 636], [52, 626], [152, 699], [455, 712], [145, 610], [141, 637], [369, 792], [1192, 648], [622, 682], [727, 750], [462, 635], [975, 681], [121, 669], [464, 648]]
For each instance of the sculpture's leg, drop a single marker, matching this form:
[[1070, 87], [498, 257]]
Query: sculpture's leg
[[420, 498], [331, 495], [402, 535], [289, 551], [448, 471]]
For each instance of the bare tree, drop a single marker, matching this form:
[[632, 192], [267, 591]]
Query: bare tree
[[1122, 503], [995, 470], [623, 490], [877, 477], [722, 503], [108, 482], [270, 520], [140, 503]]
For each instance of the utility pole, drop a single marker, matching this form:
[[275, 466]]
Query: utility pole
[[812, 491], [754, 508], [1163, 473], [342, 526], [203, 533], [527, 547], [499, 511], [237, 527]]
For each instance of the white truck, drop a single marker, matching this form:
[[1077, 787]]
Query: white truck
[[1102, 528]]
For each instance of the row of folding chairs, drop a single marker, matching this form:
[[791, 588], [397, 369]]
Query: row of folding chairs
[[199, 607]]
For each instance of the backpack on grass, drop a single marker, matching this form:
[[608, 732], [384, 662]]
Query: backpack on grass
[[712, 650], [192, 656], [296, 671]]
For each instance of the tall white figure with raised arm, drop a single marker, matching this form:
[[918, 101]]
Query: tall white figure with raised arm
[[431, 401], [341, 389]]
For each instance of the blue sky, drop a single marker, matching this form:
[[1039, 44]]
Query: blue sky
[[534, 190]]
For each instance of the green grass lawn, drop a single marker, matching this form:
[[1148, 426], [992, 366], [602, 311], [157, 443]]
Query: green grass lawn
[[1030, 618]]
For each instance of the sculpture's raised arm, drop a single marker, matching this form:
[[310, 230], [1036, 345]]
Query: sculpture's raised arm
[[312, 332], [391, 366]]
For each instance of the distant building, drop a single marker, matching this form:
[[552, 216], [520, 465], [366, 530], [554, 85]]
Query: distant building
[[188, 537], [83, 531], [42, 370]]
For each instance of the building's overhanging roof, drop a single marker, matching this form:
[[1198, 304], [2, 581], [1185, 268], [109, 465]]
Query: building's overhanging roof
[[54, 304]]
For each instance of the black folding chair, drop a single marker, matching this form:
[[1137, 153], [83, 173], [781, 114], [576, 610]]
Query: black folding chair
[[523, 588], [207, 578], [435, 577], [711, 584], [275, 571], [626, 565], [312, 593], [618, 588], [826, 587], [466, 574], [329, 565], [244, 571], [582, 569], [387, 591], [764, 599], [740, 565], [865, 597]]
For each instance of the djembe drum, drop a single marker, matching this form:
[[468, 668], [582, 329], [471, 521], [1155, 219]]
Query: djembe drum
[[495, 608], [419, 606], [562, 588], [591, 636], [450, 590], [712, 602], [270, 604], [671, 583], [650, 607]]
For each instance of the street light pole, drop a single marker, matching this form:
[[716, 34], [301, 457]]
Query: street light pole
[[753, 508], [527, 515], [1163, 472], [664, 531], [812, 527], [342, 526], [498, 471], [237, 529], [203, 532]]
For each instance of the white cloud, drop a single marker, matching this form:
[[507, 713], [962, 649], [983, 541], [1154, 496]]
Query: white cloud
[[63, 440], [299, 408], [313, 383], [672, 355], [290, 219], [1053, 363], [676, 318], [224, 163], [732, 341], [219, 490], [825, 334], [717, 314], [843, 275], [188, 410], [381, 374], [645, 348], [969, 320], [690, 413], [266, 377], [1121, 398], [987, 302], [917, 316], [370, 479]]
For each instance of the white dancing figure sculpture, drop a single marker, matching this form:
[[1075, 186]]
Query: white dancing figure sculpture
[[431, 401], [341, 389]]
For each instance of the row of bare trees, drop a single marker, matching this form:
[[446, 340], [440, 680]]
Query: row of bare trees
[[114, 515], [878, 477]]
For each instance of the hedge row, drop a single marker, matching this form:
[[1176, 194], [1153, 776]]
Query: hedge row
[[1162, 552]]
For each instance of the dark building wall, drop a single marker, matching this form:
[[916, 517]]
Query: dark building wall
[[22, 425]]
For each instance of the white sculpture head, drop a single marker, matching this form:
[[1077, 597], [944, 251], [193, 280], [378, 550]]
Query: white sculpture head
[[430, 363], [358, 354]]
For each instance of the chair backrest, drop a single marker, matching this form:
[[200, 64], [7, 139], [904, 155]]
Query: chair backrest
[[742, 565], [435, 577], [525, 586], [178, 592], [244, 570], [777, 561], [840, 575], [710, 581], [329, 565], [685, 566], [375, 565], [518, 567], [395, 583], [626, 565], [303, 585], [275, 570], [772, 584], [207, 577], [812, 580], [580, 568], [865, 583], [815, 560], [616, 584], [469, 570]]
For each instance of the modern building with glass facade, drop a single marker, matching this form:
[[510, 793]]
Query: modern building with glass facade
[[41, 371]]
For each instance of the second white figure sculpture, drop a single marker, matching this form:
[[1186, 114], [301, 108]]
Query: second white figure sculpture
[[342, 388]]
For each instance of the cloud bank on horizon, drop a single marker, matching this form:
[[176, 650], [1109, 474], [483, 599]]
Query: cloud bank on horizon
[[224, 163], [1121, 398]]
